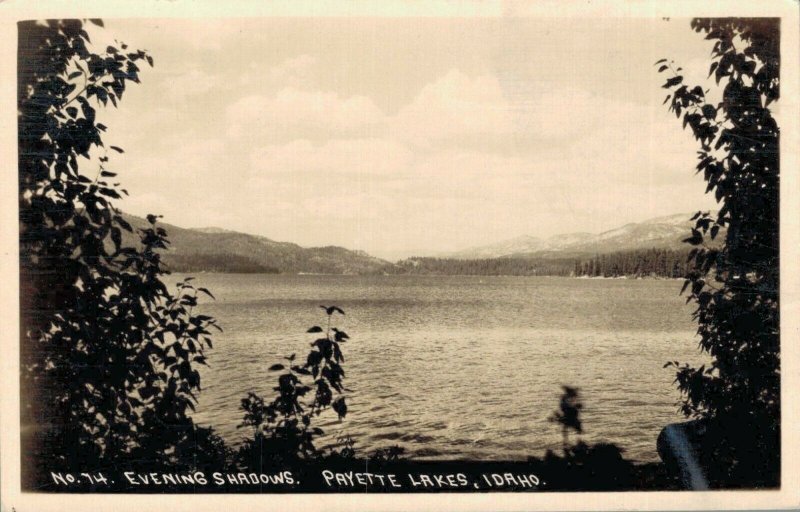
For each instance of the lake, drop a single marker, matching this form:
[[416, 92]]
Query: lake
[[460, 367]]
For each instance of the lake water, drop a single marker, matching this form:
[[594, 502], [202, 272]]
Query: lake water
[[461, 367]]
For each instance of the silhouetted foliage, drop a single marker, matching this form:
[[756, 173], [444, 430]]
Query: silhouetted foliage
[[392, 453], [108, 353], [735, 286], [568, 414], [589, 467], [582, 466], [282, 429]]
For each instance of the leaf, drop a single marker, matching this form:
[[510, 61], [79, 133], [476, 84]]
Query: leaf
[[340, 407], [314, 358], [205, 290], [276, 367], [672, 82], [695, 239], [117, 149], [97, 21], [74, 74], [122, 222], [300, 370], [316, 328]]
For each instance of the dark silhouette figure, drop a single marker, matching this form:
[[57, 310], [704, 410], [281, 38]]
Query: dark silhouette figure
[[568, 414]]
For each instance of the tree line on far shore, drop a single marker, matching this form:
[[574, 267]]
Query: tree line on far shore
[[666, 263]]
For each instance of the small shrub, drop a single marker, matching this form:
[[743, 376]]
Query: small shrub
[[282, 429]]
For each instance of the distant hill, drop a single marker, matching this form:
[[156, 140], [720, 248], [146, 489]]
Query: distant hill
[[658, 233], [221, 250], [215, 249]]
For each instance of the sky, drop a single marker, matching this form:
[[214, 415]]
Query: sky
[[405, 136]]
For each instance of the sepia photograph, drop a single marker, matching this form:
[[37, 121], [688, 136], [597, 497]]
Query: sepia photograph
[[413, 254]]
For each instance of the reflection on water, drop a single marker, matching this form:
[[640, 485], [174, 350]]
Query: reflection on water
[[461, 367]]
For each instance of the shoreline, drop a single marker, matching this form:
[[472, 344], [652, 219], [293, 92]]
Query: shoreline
[[623, 278]]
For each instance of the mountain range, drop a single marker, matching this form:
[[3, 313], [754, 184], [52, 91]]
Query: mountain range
[[657, 233], [222, 250]]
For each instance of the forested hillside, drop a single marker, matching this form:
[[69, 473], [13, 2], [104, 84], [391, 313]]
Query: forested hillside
[[215, 250], [640, 263]]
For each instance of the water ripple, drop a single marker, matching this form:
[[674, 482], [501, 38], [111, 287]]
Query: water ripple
[[451, 367]]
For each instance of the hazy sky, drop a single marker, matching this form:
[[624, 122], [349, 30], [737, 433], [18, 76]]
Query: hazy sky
[[406, 136]]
